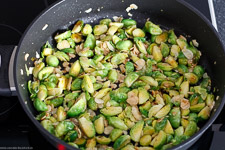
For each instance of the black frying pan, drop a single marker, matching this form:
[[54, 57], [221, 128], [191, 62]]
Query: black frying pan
[[175, 14]]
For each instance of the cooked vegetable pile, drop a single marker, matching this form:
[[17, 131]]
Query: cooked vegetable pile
[[117, 86]]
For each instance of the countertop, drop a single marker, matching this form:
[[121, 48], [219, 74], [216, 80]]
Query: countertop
[[219, 6]]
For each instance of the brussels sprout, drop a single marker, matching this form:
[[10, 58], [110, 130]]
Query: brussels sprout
[[122, 141], [46, 52], [55, 91], [145, 140], [105, 21], [45, 72], [135, 132], [63, 45], [174, 51], [90, 41], [184, 122], [201, 91], [206, 83], [128, 147], [141, 47], [183, 61], [100, 29], [76, 37], [115, 39], [185, 112], [143, 95], [190, 129], [102, 93], [103, 140], [108, 66], [128, 22], [40, 105], [168, 128], [62, 56], [99, 125], [191, 77], [129, 67], [113, 75], [111, 111], [61, 114], [76, 84], [80, 141], [63, 127], [42, 93], [78, 26], [91, 143], [179, 131], [182, 43], [199, 71], [79, 107], [210, 101], [116, 133], [88, 85], [87, 127], [184, 88], [197, 108], [161, 38], [152, 28], [154, 109], [63, 36], [159, 140], [167, 84], [87, 29], [124, 45], [47, 124], [118, 24], [175, 117], [117, 123], [71, 136], [118, 58], [160, 125], [179, 81], [164, 49], [204, 113], [193, 117], [121, 34], [72, 45], [131, 78], [130, 29], [138, 33], [86, 53], [148, 130], [149, 80], [56, 101], [163, 112], [182, 69], [38, 68], [164, 66], [112, 30], [62, 82], [172, 37], [157, 55], [52, 60], [102, 73]]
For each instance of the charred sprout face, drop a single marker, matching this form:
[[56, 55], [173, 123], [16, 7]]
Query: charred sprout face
[[118, 86]]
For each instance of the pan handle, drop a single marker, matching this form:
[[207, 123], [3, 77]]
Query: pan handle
[[7, 54]]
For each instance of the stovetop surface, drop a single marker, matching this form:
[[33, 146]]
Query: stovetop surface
[[16, 130]]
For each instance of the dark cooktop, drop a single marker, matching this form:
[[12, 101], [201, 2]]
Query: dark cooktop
[[17, 131]]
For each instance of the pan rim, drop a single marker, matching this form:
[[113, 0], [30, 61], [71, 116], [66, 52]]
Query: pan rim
[[45, 132]]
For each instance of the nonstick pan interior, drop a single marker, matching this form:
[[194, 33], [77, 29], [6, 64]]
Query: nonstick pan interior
[[168, 14]]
